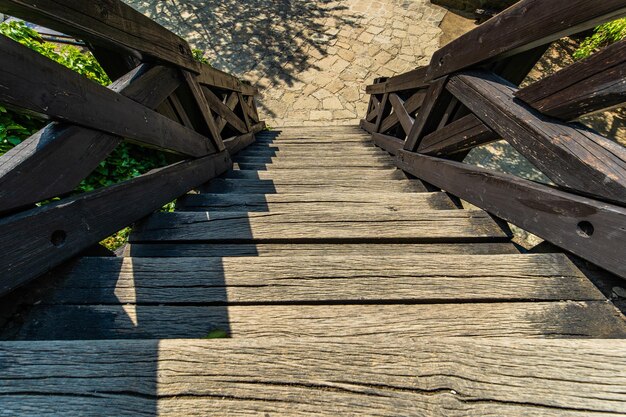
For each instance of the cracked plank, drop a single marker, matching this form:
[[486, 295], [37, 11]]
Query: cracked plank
[[437, 377]]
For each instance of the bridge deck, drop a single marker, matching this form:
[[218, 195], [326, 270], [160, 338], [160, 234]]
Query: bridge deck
[[346, 289]]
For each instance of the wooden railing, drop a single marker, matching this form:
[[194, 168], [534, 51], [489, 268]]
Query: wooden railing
[[468, 96], [162, 98]]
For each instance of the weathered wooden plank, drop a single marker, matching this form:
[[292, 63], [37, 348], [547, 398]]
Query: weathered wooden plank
[[317, 160], [430, 114], [224, 111], [591, 229], [320, 164], [37, 240], [65, 95], [330, 173], [312, 249], [570, 156], [56, 159], [388, 143], [412, 104], [383, 111], [529, 23], [278, 227], [595, 319], [311, 202], [310, 185], [199, 97], [213, 77], [406, 121], [231, 103], [358, 279], [109, 23], [458, 136], [438, 376], [594, 84], [407, 81]]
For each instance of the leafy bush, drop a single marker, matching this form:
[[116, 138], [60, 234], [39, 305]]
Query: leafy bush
[[125, 162], [604, 35]]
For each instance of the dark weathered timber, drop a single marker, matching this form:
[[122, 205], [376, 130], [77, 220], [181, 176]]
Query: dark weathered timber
[[408, 81], [383, 110], [588, 228], [37, 240], [528, 24], [368, 126], [458, 136], [411, 105], [435, 104], [56, 159], [570, 156], [200, 100], [405, 119], [390, 144], [587, 86], [53, 90], [212, 77], [236, 144], [109, 23], [223, 110]]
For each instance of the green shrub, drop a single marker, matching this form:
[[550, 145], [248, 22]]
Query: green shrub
[[125, 162], [604, 35]]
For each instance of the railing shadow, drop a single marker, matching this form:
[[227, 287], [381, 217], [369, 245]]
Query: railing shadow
[[268, 41]]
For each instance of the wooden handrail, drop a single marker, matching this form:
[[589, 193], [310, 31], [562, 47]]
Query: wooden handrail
[[164, 99], [465, 99]]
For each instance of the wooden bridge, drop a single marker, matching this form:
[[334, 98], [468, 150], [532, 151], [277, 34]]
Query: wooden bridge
[[313, 270]]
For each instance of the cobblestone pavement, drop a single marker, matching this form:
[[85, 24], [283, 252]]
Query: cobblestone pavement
[[310, 59]]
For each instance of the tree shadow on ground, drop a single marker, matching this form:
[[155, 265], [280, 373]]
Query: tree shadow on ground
[[265, 41]]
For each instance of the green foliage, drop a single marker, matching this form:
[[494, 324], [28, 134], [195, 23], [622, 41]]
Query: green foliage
[[217, 334], [604, 35], [199, 55], [125, 162]]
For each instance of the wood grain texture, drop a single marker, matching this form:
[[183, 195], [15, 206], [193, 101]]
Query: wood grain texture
[[319, 160], [435, 377], [199, 250], [37, 240], [316, 202], [570, 156], [310, 185], [64, 95], [459, 136], [529, 24], [594, 319], [591, 229], [586, 86], [308, 174], [325, 279], [388, 143], [56, 159], [109, 23]]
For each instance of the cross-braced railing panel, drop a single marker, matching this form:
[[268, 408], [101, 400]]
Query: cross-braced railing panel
[[468, 96], [162, 98]]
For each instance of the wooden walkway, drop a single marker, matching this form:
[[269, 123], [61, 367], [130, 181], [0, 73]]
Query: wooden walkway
[[345, 288]]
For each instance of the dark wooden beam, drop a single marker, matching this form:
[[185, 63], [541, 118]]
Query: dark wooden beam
[[35, 241], [588, 228], [223, 110], [408, 81], [406, 121], [109, 23], [56, 159], [412, 104], [524, 26], [572, 157], [200, 100], [458, 136], [587, 86], [433, 108], [389, 143], [42, 86]]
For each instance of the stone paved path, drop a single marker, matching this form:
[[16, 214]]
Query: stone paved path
[[311, 59]]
